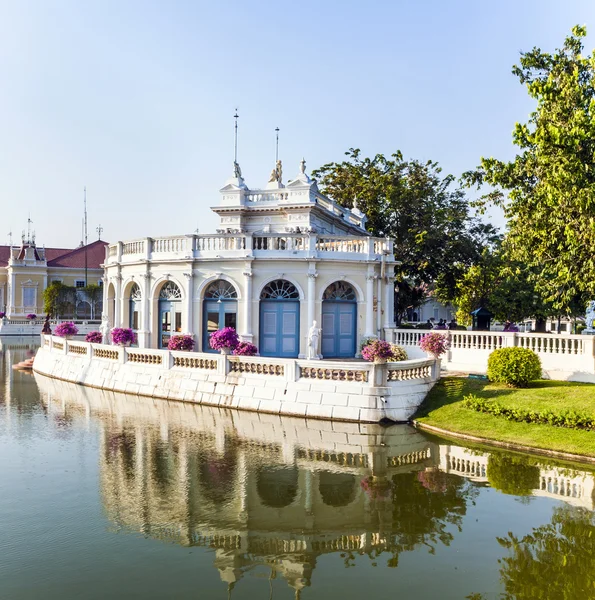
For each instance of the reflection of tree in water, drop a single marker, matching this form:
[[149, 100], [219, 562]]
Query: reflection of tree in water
[[162, 465], [512, 474], [556, 560], [277, 486], [218, 474], [423, 516], [122, 443]]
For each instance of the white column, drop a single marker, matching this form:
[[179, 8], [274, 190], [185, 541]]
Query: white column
[[189, 302], [389, 303], [370, 305], [247, 335], [312, 275], [144, 336], [118, 301], [379, 306]]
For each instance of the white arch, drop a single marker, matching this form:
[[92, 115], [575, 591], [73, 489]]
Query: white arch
[[298, 287], [159, 284], [204, 284], [127, 283], [358, 290]]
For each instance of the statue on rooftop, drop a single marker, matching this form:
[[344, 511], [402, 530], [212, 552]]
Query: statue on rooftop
[[237, 172]]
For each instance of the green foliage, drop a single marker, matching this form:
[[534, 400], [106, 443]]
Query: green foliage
[[561, 553], [59, 300], [420, 209], [512, 474], [548, 190], [515, 367], [571, 419]]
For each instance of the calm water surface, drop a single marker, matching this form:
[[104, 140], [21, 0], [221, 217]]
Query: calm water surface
[[111, 496]]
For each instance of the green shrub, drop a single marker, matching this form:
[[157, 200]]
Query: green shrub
[[406, 326], [580, 327], [515, 367]]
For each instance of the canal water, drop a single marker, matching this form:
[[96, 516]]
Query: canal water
[[114, 496]]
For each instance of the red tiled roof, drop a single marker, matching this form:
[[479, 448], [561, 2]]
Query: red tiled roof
[[67, 257], [75, 259]]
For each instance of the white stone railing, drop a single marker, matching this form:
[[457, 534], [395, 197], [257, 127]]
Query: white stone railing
[[567, 357], [234, 245], [364, 373]]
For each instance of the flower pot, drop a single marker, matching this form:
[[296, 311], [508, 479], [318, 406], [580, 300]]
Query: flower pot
[[380, 361], [225, 350]]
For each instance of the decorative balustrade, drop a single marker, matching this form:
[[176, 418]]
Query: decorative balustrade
[[221, 243], [410, 458], [272, 196], [280, 242], [333, 374], [171, 245], [398, 372], [77, 349], [129, 248], [218, 243], [556, 344], [476, 340], [190, 362], [257, 368], [103, 353], [346, 459], [144, 358], [342, 244]]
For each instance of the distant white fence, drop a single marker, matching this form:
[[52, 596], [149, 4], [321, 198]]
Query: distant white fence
[[564, 357]]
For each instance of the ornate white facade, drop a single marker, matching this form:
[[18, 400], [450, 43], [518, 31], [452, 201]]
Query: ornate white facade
[[284, 256]]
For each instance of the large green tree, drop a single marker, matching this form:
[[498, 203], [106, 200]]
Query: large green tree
[[548, 190], [424, 212]]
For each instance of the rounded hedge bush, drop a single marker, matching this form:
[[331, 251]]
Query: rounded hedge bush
[[514, 366]]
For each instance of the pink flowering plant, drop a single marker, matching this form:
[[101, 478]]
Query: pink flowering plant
[[433, 480], [94, 337], [377, 489], [181, 342], [123, 336], [2, 315], [377, 350], [31, 316], [65, 329], [245, 349], [434, 343], [224, 338]]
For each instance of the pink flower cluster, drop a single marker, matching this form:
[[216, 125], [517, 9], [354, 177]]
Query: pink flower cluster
[[94, 337], [65, 329], [224, 338], [2, 315], [31, 316], [433, 480], [123, 336], [377, 350], [181, 342], [245, 349], [376, 489], [434, 343]]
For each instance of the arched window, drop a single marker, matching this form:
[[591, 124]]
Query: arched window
[[221, 290], [277, 487], [339, 290], [279, 289], [336, 489], [170, 291], [135, 293]]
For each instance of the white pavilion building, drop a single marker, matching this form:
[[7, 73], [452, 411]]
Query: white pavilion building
[[284, 256]]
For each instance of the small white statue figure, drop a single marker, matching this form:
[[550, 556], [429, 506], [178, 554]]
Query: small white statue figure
[[590, 317], [313, 337], [237, 172], [104, 328]]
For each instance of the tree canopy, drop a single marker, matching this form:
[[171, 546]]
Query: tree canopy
[[425, 213], [548, 190]]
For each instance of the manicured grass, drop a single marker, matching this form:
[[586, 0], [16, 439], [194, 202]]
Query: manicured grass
[[442, 408]]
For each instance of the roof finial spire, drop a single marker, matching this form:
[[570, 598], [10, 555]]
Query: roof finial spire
[[276, 144], [235, 138]]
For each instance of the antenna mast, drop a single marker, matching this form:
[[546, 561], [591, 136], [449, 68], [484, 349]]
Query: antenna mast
[[85, 231], [277, 144], [235, 141]]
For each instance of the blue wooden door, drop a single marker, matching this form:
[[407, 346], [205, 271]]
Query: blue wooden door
[[170, 321], [217, 315], [338, 329], [279, 328]]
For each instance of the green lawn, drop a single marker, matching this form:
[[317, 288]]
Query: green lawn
[[442, 408]]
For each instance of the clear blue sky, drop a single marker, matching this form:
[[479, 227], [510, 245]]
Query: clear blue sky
[[134, 99]]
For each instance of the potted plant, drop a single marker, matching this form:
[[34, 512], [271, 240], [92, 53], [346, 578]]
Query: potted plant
[[434, 343], [181, 342], [225, 340], [31, 317], [123, 336], [245, 349], [377, 351], [94, 337], [66, 330], [2, 315]]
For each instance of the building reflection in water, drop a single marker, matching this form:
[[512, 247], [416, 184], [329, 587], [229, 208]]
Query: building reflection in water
[[264, 490]]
